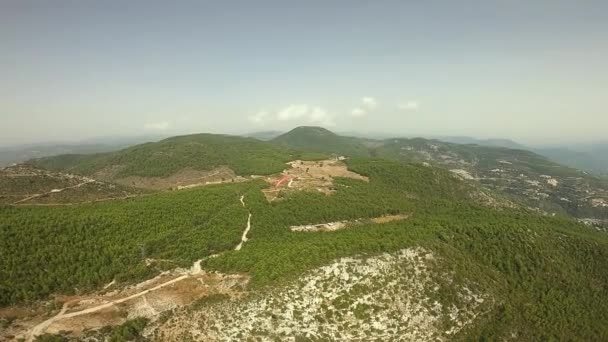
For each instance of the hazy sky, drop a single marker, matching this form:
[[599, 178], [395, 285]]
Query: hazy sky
[[533, 71]]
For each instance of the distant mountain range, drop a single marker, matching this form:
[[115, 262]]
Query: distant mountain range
[[588, 157], [592, 158], [18, 153]]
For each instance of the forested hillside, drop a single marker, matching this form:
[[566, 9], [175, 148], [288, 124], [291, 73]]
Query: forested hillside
[[114, 238], [245, 156], [545, 277], [58, 249]]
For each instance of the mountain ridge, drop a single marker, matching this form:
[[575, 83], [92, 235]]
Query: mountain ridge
[[522, 174]]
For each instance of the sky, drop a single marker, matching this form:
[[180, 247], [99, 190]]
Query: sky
[[532, 71]]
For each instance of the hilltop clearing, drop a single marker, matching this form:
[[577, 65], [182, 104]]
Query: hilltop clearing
[[316, 176]]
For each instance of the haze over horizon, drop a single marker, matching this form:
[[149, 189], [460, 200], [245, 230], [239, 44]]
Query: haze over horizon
[[532, 72]]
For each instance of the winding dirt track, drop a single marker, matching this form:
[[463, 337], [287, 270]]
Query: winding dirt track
[[196, 268], [244, 236], [40, 328], [54, 191]]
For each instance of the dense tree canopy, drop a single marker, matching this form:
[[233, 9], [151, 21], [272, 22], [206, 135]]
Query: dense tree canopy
[[546, 275]]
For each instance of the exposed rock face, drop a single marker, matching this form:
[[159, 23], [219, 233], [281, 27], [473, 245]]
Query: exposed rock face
[[387, 297]]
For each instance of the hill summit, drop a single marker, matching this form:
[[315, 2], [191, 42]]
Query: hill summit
[[306, 134], [319, 139]]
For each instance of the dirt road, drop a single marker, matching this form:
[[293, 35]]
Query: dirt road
[[247, 227], [54, 191], [41, 328]]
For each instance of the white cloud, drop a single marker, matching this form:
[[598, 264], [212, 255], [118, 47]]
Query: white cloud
[[300, 113], [259, 117], [369, 102], [320, 116], [357, 112], [409, 105], [157, 126], [293, 112]]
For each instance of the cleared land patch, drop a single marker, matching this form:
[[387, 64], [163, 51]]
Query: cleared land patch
[[309, 176], [147, 299], [331, 226]]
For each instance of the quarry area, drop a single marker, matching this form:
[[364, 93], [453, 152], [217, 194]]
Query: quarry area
[[390, 297], [309, 176]]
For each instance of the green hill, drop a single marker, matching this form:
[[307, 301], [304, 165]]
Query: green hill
[[245, 156], [522, 175], [321, 140]]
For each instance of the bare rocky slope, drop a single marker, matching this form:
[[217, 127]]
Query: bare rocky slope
[[385, 297]]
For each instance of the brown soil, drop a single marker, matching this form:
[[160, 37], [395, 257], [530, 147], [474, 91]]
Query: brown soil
[[76, 325], [147, 299]]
